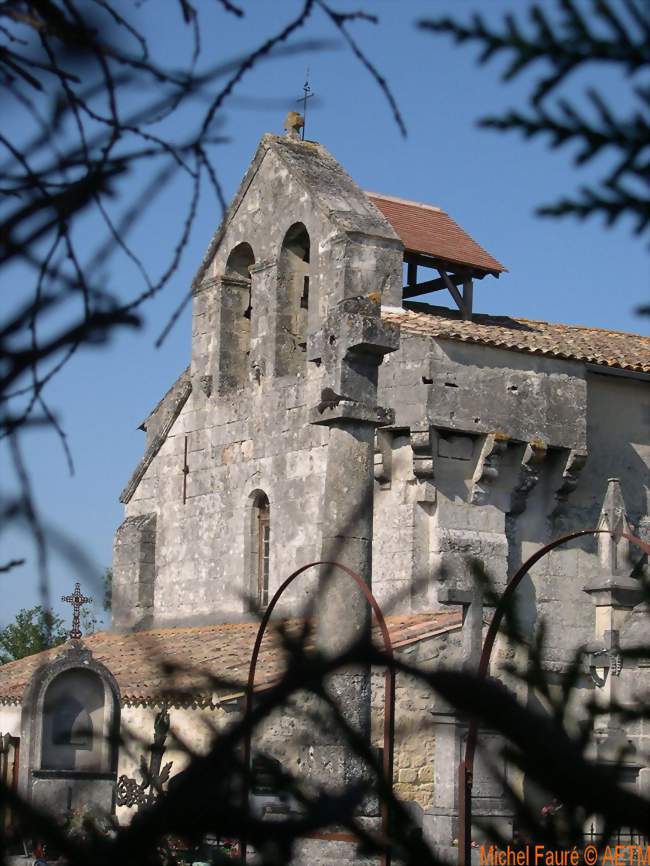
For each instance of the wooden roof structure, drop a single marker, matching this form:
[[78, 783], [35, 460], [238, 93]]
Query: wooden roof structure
[[430, 231], [432, 239]]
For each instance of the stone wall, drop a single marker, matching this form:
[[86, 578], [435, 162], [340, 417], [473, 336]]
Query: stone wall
[[494, 453], [490, 454], [235, 448], [416, 705], [238, 435]]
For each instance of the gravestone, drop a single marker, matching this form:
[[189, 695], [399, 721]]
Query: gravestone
[[69, 734]]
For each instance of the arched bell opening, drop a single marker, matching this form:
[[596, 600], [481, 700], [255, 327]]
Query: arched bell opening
[[293, 302], [236, 313]]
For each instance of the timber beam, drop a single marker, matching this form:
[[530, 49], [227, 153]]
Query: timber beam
[[437, 285], [464, 300], [447, 265], [450, 281]]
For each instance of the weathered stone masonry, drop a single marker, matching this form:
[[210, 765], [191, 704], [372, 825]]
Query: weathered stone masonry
[[325, 413], [486, 436]]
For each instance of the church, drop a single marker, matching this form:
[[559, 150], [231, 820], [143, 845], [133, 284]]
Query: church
[[328, 413]]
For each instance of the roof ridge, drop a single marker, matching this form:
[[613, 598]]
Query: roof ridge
[[584, 327], [401, 200], [425, 614], [521, 319], [605, 347], [153, 411], [183, 389]]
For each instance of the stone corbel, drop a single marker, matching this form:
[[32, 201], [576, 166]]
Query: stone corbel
[[422, 455], [351, 345], [571, 475], [383, 459], [529, 473], [487, 469], [342, 409]]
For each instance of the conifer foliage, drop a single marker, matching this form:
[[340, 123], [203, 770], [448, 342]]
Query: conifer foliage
[[565, 37]]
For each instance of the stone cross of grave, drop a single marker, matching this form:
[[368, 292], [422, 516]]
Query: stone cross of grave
[[144, 793], [77, 600]]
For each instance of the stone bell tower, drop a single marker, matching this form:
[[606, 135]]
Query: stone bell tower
[[279, 397]]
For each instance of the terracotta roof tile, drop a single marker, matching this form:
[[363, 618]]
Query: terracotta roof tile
[[572, 342], [432, 232], [197, 654]]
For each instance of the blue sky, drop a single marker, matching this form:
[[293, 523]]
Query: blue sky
[[559, 270]]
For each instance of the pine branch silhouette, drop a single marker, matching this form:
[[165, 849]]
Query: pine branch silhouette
[[584, 33]]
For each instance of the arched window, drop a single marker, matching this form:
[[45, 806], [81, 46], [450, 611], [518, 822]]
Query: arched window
[[293, 301], [236, 308], [73, 722], [260, 551]]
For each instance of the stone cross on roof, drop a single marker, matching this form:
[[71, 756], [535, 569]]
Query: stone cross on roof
[[76, 600]]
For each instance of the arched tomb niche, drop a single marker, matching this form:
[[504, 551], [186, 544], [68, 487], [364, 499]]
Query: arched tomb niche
[[70, 726], [73, 722]]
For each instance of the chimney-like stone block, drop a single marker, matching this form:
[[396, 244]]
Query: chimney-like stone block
[[134, 572]]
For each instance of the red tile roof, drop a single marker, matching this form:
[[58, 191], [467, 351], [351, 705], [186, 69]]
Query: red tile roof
[[572, 342], [197, 655], [431, 232]]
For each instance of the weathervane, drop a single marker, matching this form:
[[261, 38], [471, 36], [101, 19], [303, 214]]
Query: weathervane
[[307, 94], [76, 600]]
